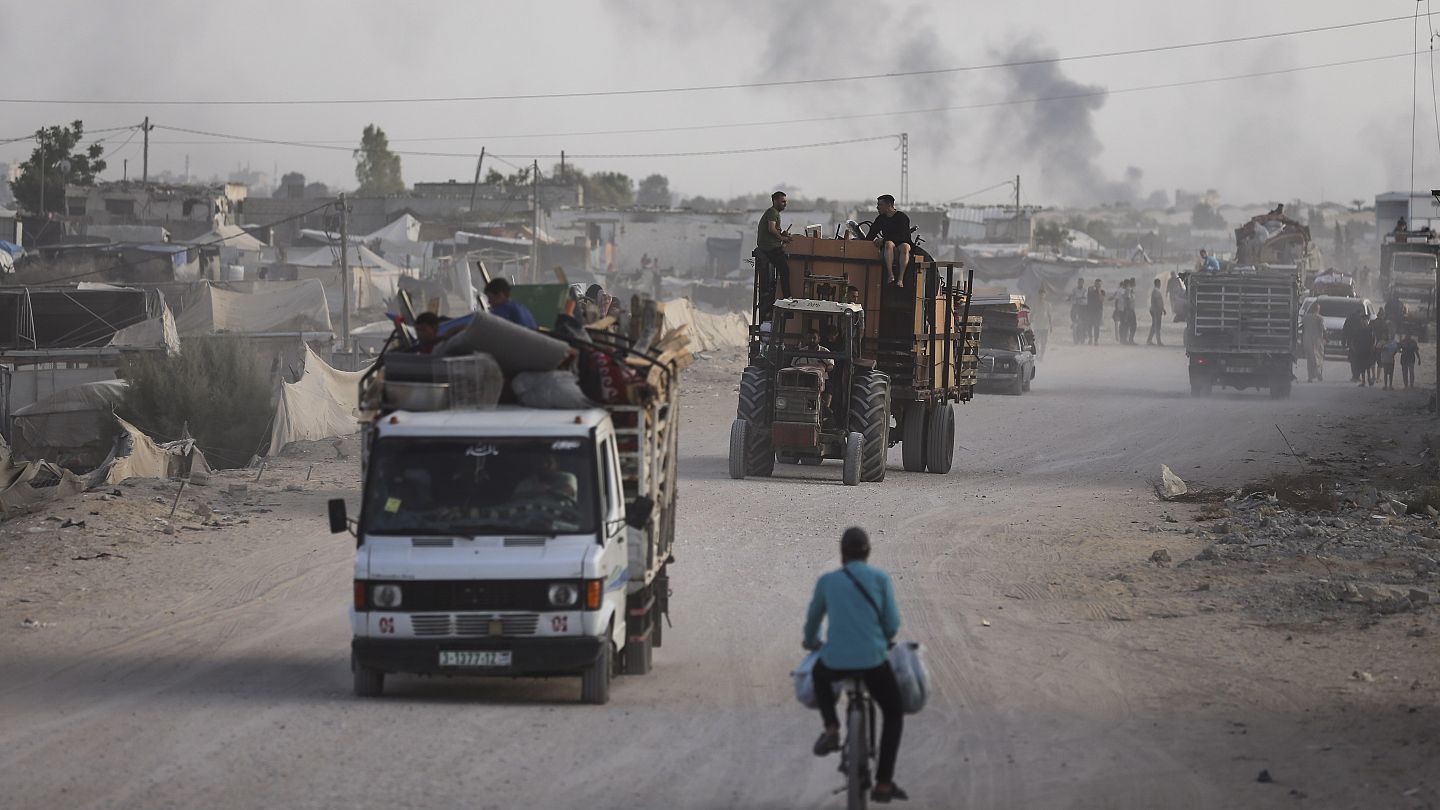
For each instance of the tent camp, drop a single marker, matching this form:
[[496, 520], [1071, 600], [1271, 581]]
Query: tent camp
[[376, 280], [26, 483], [324, 403], [230, 236], [273, 308], [72, 427], [135, 455]]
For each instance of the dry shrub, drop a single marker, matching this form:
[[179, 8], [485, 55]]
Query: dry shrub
[[215, 386]]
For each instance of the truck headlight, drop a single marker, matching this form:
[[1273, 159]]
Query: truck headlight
[[564, 595], [780, 403], [385, 596]]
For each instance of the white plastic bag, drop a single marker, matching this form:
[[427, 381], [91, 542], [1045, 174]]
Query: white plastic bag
[[910, 673], [805, 681]]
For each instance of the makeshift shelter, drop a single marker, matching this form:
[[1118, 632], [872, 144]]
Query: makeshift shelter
[[707, 331], [230, 236], [324, 403], [135, 455], [74, 426], [26, 483], [375, 280], [273, 308]]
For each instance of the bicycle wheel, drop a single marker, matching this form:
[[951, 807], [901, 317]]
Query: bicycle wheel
[[856, 757]]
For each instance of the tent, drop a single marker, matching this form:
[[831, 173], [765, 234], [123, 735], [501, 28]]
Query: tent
[[280, 306], [376, 280], [231, 236], [72, 426], [135, 455], [26, 483], [324, 403]]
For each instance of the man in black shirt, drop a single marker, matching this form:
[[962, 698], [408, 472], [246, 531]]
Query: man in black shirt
[[891, 229]]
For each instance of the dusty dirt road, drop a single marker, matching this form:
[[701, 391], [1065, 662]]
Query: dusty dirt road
[[209, 668]]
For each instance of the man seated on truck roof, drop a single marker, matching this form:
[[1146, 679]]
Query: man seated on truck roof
[[1208, 263], [497, 293], [891, 230]]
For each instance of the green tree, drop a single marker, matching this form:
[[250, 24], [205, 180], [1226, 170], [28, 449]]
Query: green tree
[[216, 387], [376, 167], [609, 189], [654, 191], [58, 160]]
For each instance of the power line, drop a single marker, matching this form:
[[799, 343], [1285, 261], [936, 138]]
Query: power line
[[1000, 184], [223, 138], [715, 87]]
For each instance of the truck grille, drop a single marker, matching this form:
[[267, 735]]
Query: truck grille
[[434, 596], [473, 624]]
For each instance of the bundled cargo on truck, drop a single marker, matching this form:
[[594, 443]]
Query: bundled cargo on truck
[[518, 511]]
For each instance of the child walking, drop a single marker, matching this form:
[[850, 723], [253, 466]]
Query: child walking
[[1388, 350]]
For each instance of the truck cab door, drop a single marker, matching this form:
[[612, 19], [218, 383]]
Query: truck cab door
[[613, 501]]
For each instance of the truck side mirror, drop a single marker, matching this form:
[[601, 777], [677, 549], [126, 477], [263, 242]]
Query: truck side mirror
[[338, 521], [637, 514]]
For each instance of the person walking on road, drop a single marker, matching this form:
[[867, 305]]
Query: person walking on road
[[1313, 344], [1358, 343], [1386, 354], [1079, 315], [1157, 314], [1127, 318], [858, 602], [1095, 311], [1409, 356], [1041, 322]]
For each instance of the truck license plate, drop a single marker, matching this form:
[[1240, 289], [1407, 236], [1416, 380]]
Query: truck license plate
[[1240, 369], [474, 658]]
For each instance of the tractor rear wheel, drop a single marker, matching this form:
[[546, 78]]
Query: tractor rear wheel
[[870, 417], [755, 405]]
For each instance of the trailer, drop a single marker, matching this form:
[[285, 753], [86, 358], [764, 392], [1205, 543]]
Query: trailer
[[1243, 329]]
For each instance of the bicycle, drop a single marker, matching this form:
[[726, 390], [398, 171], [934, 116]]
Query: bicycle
[[857, 751]]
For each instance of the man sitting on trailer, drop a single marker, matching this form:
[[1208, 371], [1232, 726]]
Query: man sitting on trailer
[[891, 231]]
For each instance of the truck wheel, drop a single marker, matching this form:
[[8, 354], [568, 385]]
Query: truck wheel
[[1280, 388], [368, 682], [940, 439], [1016, 388], [755, 404], [1025, 385], [595, 681], [870, 417], [1200, 384], [854, 452], [637, 655], [912, 446], [738, 429]]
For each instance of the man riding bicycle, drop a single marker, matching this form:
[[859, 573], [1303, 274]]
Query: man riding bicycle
[[859, 602]]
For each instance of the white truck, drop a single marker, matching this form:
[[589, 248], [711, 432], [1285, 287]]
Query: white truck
[[514, 541]]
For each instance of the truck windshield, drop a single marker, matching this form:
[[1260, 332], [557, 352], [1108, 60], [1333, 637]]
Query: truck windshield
[[468, 486], [1414, 263]]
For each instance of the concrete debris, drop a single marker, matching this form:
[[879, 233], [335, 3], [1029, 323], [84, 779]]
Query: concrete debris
[[1171, 485], [1359, 675]]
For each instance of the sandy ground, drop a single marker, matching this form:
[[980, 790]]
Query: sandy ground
[[208, 667]]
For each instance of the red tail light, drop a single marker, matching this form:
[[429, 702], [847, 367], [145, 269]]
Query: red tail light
[[359, 595]]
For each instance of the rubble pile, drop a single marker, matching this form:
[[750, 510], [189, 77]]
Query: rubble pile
[[1379, 550]]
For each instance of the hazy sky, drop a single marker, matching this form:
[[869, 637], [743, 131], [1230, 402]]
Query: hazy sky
[[1342, 131]]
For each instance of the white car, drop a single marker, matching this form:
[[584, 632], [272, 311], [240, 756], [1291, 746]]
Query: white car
[[1334, 309]]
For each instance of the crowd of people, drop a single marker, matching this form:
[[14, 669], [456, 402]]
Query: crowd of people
[[1373, 347], [1087, 311]]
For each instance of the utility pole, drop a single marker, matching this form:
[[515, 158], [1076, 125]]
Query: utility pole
[[562, 165], [42, 177], [535, 227], [1017, 196], [345, 272], [905, 168], [145, 161], [474, 187]]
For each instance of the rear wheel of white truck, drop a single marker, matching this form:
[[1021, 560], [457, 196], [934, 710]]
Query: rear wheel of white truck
[[595, 681], [912, 442], [738, 429], [940, 439], [368, 682]]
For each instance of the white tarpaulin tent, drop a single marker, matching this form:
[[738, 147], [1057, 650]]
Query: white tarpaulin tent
[[281, 306], [230, 236], [138, 456], [376, 280], [324, 403], [706, 331]]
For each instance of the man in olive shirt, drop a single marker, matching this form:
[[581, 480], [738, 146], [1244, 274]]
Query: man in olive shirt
[[770, 241], [891, 229]]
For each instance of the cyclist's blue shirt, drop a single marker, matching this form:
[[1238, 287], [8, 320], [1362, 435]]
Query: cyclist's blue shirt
[[855, 638]]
